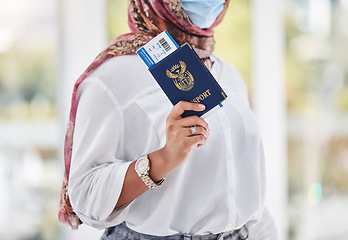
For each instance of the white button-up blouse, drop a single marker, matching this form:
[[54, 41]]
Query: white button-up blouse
[[121, 116]]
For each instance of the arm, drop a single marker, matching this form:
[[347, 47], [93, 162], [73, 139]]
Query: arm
[[97, 171], [168, 158], [100, 182]]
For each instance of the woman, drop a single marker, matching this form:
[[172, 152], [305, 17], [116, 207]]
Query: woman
[[140, 170]]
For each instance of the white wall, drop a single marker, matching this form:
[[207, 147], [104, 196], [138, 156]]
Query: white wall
[[269, 101]]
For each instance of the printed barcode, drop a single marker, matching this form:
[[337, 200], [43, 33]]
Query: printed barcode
[[164, 44]]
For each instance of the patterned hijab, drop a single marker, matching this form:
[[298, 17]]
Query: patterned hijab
[[146, 19]]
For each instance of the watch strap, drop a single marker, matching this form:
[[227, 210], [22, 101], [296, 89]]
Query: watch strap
[[149, 182], [145, 177]]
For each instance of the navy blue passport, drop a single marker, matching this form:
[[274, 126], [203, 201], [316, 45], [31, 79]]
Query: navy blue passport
[[183, 76]]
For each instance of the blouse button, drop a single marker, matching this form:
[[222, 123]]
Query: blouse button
[[225, 123]]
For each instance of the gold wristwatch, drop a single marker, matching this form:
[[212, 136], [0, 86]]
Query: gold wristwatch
[[142, 167]]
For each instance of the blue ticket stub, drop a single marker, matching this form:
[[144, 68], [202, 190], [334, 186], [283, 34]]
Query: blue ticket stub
[[157, 49]]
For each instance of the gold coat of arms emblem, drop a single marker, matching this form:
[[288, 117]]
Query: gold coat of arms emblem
[[182, 78]]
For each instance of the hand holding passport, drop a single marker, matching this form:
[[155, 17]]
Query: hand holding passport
[[181, 74]]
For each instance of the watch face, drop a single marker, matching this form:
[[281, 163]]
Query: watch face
[[142, 165]]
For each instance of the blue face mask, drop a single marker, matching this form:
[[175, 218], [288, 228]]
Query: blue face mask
[[203, 13]]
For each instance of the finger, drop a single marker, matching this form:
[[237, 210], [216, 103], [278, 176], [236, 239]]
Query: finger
[[199, 131], [193, 120], [183, 106], [195, 140]]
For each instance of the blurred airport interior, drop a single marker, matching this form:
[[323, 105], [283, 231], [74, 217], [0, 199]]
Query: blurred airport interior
[[292, 54]]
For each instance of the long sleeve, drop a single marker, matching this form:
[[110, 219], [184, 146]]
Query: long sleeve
[[96, 174]]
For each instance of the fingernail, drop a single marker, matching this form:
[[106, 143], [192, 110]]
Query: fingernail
[[208, 131], [201, 106]]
